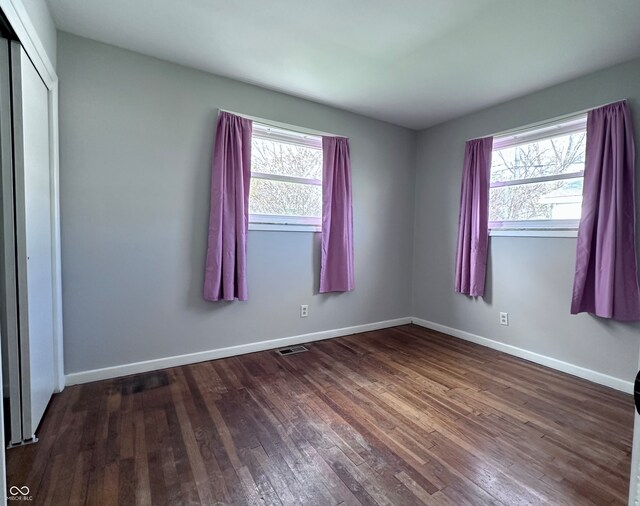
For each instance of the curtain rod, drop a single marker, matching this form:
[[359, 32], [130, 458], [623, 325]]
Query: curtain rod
[[531, 126], [279, 124]]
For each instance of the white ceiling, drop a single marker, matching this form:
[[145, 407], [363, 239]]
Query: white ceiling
[[410, 62]]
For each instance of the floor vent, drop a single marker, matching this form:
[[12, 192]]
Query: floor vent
[[290, 350]]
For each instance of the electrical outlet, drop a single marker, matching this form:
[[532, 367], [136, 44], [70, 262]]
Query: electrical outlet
[[504, 319], [304, 311]]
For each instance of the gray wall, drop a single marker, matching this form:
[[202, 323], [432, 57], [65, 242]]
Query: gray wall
[[136, 136], [135, 146], [530, 278]]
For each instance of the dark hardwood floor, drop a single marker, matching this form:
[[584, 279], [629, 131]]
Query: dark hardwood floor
[[393, 417]]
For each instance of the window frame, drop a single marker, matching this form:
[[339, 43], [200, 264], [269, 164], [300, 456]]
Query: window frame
[[537, 228], [276, 222]]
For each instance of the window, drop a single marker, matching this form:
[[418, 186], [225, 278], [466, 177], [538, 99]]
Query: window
[[536, 180], [286, 180]]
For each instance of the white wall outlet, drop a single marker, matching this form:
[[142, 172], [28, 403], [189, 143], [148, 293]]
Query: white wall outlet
[[304, 311], [504, 319]]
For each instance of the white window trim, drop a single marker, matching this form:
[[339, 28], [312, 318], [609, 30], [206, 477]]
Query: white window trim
[[541, 179], [534, 228], [531, 232], [274, 222], [537, 228], [537, 133], [272, 133], [272, 227], [535, 225], [285, 179]]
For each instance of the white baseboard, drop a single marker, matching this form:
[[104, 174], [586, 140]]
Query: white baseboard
[[575, 370], [202, 356]]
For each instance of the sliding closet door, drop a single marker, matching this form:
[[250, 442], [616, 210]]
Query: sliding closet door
[[8, 282], [33, 238]]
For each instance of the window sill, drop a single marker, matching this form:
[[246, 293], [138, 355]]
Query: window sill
[[283, 227], [533, 232]]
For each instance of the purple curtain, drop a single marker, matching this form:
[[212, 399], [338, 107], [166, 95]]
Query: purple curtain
[[606, 278], [473, 222], [336, 269], [225, 275]]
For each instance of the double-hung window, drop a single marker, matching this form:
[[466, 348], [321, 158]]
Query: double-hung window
[[536, 180], [286, 180]]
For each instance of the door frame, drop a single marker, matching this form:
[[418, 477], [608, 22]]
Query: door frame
[[17, 16]]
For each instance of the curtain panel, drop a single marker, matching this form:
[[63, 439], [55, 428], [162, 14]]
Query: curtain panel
[[606, 275], [226, 262], [473, 221], [336, 268]]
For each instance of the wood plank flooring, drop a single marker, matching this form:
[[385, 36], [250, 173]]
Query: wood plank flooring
[[393, 417]]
